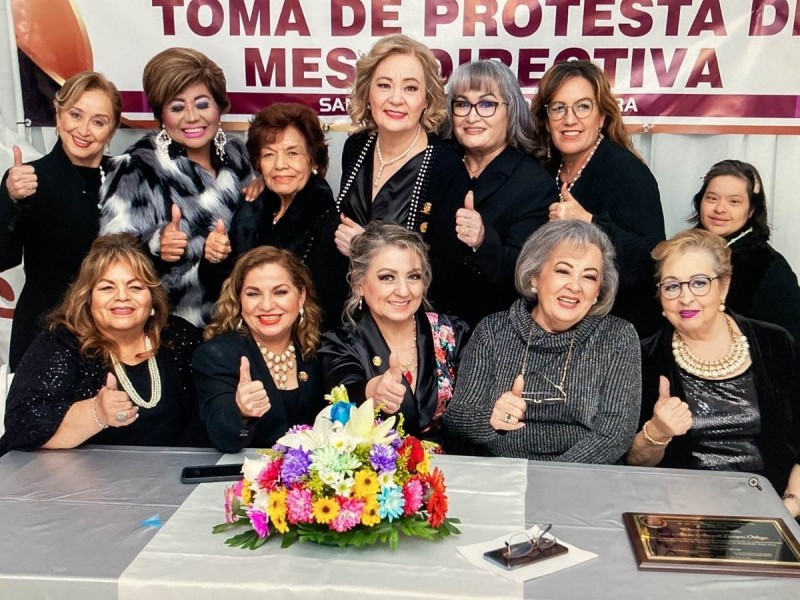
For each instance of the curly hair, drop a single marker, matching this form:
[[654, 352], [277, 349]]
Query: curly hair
[[172, 70], [75, 311], [695, 239], [268, 122], [228, 310], [433, 117], [613, 127]]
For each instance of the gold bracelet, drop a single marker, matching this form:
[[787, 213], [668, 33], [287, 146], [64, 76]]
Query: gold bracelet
[[793, 497], [651, 440], [94, 414]]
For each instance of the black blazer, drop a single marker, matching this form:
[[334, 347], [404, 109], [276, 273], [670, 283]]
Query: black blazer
[[54, 228], [216, 374], [776, 379]]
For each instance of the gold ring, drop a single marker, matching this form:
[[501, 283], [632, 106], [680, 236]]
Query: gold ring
[[463, 229]]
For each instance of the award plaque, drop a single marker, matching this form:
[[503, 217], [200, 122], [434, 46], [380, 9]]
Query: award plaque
[[713, 544]]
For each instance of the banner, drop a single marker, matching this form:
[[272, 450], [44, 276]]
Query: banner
[[675, 65]]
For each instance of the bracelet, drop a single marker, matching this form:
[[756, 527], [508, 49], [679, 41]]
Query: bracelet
[[793, 497], [94, 414], [651, 440]]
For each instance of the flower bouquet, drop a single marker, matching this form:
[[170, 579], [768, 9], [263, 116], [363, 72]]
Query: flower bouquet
[[350, 480]]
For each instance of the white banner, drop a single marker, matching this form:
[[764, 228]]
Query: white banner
[[690, 65]]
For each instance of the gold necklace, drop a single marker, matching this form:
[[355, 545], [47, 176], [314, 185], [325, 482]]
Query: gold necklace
[[410, 367], [155, 379], [528, 396], [280, 365], [578, 176], [386, 163], [738, 353]]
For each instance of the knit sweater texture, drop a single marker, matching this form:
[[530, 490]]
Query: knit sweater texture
[[603, 382]]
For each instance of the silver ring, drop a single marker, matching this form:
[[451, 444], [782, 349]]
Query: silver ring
[[508, 418], [121, 416]]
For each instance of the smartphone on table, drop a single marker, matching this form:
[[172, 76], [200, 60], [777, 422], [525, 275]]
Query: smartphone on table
[[206, 473]]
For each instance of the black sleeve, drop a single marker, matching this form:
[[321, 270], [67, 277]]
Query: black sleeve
[[342, 358], [11, 239], [244, 225], [777, 298]]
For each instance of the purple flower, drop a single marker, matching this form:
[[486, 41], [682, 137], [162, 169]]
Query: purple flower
[[258, 519], [295, 465], [382, 458], [396, 442]]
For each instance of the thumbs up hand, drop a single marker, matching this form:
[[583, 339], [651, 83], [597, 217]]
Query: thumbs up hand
[[509, 409], [251, 397], [113, 406], [173, 240], [469, 224], [388, 390], [568, 207], [671, 416], [218, 246], [347, 230], [21, 181]]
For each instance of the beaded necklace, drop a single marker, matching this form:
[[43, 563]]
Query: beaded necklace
[[578, 176], [399, 157], [738, 353], [155, 379], [280, 365]]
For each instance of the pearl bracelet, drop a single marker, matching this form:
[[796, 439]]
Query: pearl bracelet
[[651, 440], [793, 497], [94, 414]]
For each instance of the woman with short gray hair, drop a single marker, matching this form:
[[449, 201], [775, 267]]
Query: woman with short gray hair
[[554, 377]]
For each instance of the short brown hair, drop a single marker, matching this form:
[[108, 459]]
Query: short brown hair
[[270, 121], [85, 81], [75, 311], [695, 239], [433, 117], [554, 78], [228, 311], [172, 70]]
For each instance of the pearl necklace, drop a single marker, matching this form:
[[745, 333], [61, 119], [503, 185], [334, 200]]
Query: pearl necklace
[[386, 163], [155, 379], [102, 175], [740, 236], [578, 176], [738, 353], [280, 365]]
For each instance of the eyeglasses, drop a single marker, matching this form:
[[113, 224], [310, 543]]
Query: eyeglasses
[[699, 286], [484, 108], [581, 109], [545, 397], [521, 544]]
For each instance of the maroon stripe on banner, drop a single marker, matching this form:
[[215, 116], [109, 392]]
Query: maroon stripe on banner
[[647, 105]]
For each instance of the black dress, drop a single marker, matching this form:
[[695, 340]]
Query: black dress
[[216, 372], [54, 228], [512, 195], [352, 355], [622, 194], [53, 375]]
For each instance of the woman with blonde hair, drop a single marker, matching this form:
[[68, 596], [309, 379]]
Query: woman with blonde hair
[[257, 374], [113, 367]]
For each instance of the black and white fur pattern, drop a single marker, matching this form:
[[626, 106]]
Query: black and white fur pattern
[[137, 197]]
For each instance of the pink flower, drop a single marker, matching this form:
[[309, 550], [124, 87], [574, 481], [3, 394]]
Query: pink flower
[[413, 493], [298, 506], [258, 519], [270, 475], [349, 516], [230, 495]]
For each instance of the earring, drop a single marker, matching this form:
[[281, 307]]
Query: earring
[[302, 314], [162, 143], [549, 154], [594, 301], [240, 324], [220, 139], [361, 303], [722, 306], [315, 171], [663, 314], [152, 312], [534, 290], [108, 147]]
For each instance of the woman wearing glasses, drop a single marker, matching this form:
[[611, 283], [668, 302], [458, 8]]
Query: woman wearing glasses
[[601, 178], [554, 377], [718, 389], [510, 191]]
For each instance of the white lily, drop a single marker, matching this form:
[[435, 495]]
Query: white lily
[[311, 439], [363, 430], [252, 467]]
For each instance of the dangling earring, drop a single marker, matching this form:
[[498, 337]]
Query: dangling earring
[[722, 306], [361, 303], [108, 147], [302, 314], [240, 324], [220, 139], [549, 154], [162, 143]]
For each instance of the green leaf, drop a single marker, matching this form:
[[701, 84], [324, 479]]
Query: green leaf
[[227, 526]]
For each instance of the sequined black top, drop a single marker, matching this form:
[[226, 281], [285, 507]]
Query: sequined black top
[[725, 422], [53, 375]]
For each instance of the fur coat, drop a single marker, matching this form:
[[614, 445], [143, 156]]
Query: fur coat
[[138, 195]]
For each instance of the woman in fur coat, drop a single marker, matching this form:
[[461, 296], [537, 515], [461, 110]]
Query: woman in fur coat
[[177, 189]]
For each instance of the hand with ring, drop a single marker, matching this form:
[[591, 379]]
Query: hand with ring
[[509, 409], [218, 246], [114, 406], [469, 223]]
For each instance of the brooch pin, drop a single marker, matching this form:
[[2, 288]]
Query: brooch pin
[[376, 360], [302, 376]]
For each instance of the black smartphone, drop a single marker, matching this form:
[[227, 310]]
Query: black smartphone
[[498, 556], [205, 473]]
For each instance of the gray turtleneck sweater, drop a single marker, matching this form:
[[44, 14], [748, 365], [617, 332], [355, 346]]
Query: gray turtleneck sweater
[[603, 387]]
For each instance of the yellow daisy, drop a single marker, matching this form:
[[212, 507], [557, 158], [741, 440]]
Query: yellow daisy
[[325, 510], [370, 516], [367, 484]]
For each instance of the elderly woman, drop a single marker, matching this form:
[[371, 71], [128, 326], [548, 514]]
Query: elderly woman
[[602, 180], [257, 375], [391, 349], [113, 367], [554, 377], [177, 190], [48, 208], [510, 191], [732, 203], [396, 168], [718, 389]]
